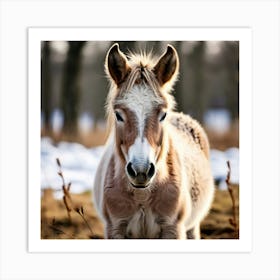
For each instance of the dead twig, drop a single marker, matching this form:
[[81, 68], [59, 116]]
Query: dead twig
[[80, 211], [68, 202], [60, 231], [66, 192], [233, 220]]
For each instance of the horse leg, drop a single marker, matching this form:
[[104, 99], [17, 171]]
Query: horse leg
[[116, 230], [194, 233]]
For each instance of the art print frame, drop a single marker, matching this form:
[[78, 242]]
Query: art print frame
[[243, 35]]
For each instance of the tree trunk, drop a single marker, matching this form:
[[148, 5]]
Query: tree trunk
[[198, 61], [71, 89], [46, 83], [231, 60]]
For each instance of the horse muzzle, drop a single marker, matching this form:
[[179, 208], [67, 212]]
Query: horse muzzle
[[140, 175]]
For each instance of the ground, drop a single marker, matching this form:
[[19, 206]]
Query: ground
[[84, 224]]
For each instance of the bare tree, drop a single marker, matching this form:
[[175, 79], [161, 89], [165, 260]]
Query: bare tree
[[197, 60], [70, 88], [178, 88], [126, 46], [230, 54], [46, 84]]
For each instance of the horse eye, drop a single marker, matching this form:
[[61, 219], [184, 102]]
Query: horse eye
[[163, 117], [118, 117]]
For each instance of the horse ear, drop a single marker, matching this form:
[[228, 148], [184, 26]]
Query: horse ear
[[167, 67], [116, 64]]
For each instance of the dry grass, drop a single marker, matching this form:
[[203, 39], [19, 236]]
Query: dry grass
[[55, 223], [217, 224], [233, 220], [95, 137], [224, 140]]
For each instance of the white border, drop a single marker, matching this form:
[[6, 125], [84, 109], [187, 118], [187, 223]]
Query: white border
[[243, 35], [262, 16]]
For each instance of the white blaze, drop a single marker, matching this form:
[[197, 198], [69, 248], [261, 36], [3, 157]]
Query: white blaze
[[142, 101], [141, 152]]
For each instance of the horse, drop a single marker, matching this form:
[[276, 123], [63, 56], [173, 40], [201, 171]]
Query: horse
[[154, 179]]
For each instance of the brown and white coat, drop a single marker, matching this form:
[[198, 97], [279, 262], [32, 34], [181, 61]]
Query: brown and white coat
[[154, 178]]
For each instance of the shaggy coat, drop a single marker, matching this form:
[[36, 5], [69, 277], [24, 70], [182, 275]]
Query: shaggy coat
[[154, 178]]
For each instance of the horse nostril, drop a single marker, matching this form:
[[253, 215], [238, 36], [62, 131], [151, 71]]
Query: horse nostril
[[151, 171], [130, 170]]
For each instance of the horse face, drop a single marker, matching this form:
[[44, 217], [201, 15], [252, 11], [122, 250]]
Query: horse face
[[140, 112], [139, 133]]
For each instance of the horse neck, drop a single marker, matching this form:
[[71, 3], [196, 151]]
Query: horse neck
[[166, 155]]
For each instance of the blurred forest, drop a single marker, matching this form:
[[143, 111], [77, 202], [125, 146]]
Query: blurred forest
[[74, 86]]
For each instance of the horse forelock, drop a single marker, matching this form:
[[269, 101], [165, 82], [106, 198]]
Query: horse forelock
[[144, 59], [140, 74]]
